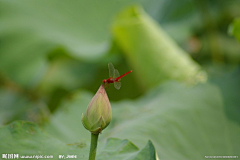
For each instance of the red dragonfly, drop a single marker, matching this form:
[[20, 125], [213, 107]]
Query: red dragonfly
[[114, 77]]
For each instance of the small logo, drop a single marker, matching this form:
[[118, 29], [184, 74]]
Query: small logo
[[10, 156]]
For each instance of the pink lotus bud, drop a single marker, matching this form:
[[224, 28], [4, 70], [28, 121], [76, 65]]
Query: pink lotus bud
[[99, 113]]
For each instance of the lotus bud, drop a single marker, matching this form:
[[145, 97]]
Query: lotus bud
[[99, 113]]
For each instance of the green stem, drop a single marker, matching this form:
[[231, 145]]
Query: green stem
[[93, 147]]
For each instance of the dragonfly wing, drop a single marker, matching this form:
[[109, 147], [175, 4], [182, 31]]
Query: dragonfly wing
[[117, 85], [111, 69], [116, 73]]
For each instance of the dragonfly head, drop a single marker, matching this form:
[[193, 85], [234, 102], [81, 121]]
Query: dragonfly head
[[104, 81]]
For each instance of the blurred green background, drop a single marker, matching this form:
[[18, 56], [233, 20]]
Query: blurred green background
[[183, 93]]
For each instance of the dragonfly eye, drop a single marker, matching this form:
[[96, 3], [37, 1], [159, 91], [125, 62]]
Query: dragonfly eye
[[104, 81]]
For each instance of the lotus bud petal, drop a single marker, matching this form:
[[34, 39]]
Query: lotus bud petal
[[99, 113]]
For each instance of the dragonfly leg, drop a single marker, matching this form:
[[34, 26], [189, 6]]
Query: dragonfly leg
[[106, 86]]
